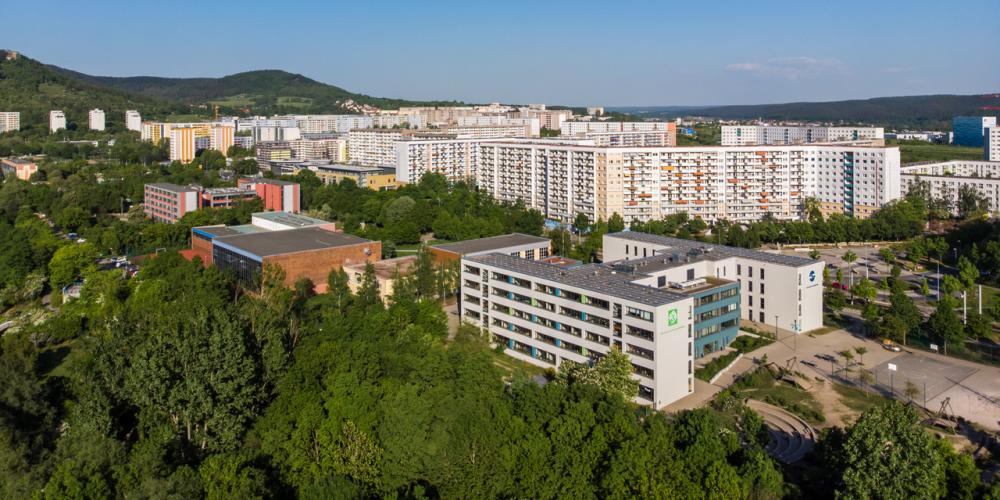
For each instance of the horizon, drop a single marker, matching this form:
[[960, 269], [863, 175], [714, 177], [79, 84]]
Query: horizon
[[553, 53]]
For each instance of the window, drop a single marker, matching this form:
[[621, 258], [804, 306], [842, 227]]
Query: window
[[690, 274], [529, 254], [750, 271], [762, 320], [739, 269], [762, 302], [638, 313], [750, 300], [644, 252], [750, 285], [762, 272], [762, 288], [662, 282]]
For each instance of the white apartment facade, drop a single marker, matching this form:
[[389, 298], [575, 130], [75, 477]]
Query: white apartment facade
[[95, 119], [133, 120], [532, 126], [454, 158], [739, 184], [373, 147], [574, 128], [57, 121], [10, 121], [752, 135], [991, 146], [398, 121], [948, 177]]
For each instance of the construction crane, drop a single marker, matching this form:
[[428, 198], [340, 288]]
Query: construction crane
[[215, 111]]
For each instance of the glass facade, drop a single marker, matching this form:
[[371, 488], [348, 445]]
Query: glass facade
[[717, 318], [243, 268], [968, 131]]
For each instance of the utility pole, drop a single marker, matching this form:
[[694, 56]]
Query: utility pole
[[937, 281], [964, 293], [980, 308]]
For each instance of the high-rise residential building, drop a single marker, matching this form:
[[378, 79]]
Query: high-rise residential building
[[662, 301], [373, 147], [945, 179], [221, 137], [57, 121], [548, 119], [133, 121], [398, 121], [970, 130], [572, 128], [182, 144], [753, 135], [10, 121], [278, 195], [595, 110], [991, 148], [95, 119], [454, 158], [739, 184]]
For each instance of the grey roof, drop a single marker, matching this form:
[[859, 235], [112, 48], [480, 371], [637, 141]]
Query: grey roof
[[708, 251], [290, 219], [491, 243], [599, 278], [339, 167], [290, 241], [166, 186]]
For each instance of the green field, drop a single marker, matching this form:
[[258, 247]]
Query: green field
[[911, 152], [241, 100], [295, 102]]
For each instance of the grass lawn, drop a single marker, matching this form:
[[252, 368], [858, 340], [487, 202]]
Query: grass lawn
[[516, 367], [300, 102], [910, 153], [762, 386], [235, 101], [858, 400], [411, 248]]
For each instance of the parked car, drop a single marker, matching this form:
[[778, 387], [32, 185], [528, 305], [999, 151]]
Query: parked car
[[836, 284], [889, 345]]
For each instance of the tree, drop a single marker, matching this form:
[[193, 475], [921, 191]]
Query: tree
[[887, 454], [978, 326], [925, 288], [835, 300], [581, 223], [368, 290], [861, 351], [944, 324], [967, 272], [865, 290], [70, 261], [613, 373], [848, 357], [814, 254], [616, 223], [971, 203], [910, 390], [887, 255]]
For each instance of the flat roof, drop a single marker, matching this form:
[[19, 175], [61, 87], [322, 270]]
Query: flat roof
[[167, 186], [598, 278], [701, 251], [18, 161], [289, 219], [491, 243], [387, 268], [350, 168], [307, 239], [222, 230]]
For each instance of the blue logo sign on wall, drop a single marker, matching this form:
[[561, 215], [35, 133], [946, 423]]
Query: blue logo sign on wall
[[812, 276]]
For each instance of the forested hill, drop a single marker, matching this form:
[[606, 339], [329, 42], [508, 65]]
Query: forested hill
[[34, 89], [926, 111], [257, 92]]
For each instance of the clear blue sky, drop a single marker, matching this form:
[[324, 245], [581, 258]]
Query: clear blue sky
[[614, 52]]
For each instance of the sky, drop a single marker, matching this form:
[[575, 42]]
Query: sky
[[610, 53]]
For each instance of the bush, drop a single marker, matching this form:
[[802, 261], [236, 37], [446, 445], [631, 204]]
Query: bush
[[747, 343], [715, 366]]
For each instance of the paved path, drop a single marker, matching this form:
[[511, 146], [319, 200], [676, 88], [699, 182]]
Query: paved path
[[791, 437]]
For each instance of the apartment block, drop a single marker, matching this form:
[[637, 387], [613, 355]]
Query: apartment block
[[397, 121], [532, 126], [182, 144], [10, 121], [57, 121], [548, 119], [456, 159], [222, 137], [133, 120], [574, 128], [991, 148], [946, 178], [633, 138], [753, 135], [165, 202], [95, 119], [739, 184]]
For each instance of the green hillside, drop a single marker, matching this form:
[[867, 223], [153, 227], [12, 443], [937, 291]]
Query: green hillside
[[34, 89], [256, 92], [914, 112]]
